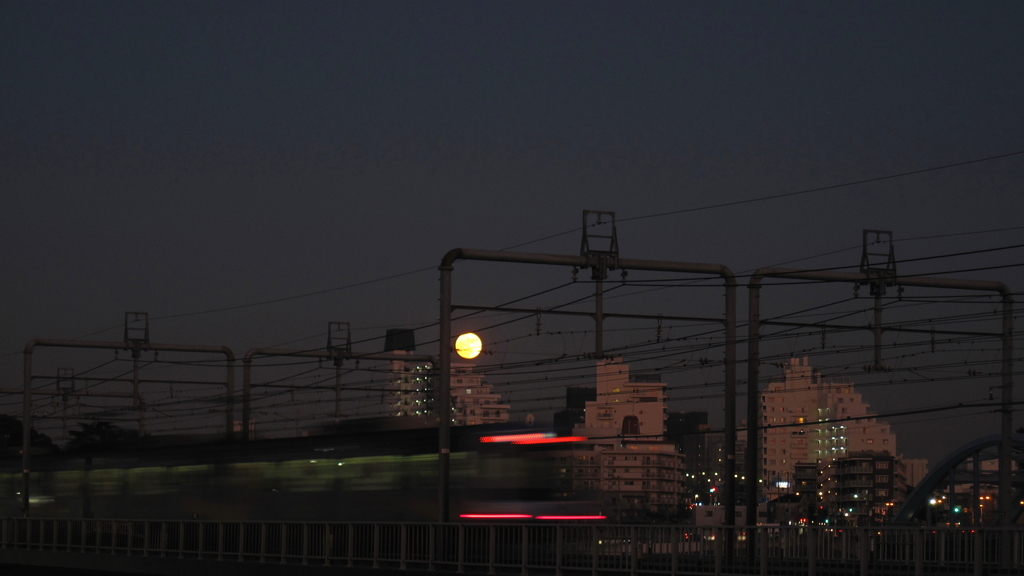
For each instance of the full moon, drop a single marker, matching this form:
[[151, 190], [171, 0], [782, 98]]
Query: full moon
[[468, 345]]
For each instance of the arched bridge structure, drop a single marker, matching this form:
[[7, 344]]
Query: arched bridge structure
[[964, 466]]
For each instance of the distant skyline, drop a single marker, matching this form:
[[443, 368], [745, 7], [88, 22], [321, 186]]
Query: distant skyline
[[182, 157]]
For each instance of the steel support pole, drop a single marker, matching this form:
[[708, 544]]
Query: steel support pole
[[246, 393], [599, 320], [951, 504], [64, 415], [443, 398], [26, 432], [730, 405], [136, 397], [876, 327], [229, 403], [752, 467], [1006, 431], [976, 492], [1006, 421], [337, 389]]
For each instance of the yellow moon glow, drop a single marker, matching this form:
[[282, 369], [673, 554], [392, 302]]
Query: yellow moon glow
[[468, 345]]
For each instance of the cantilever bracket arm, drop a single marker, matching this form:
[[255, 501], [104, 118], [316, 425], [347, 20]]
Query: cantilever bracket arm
[[327, 354], [444, 375], [93, 344], [753, 360]]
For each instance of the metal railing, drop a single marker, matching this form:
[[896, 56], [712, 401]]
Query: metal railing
[[525, 549]]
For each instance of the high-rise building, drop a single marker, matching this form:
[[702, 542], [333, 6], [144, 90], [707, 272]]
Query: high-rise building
[[917, 469], [411, 387], [576, 398], [638, 473], [473, 402], [863, 487], [689, 432], [806, 414], [626, 405]]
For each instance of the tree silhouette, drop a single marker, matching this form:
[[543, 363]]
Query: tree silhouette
[[99, 435], [11, 435]]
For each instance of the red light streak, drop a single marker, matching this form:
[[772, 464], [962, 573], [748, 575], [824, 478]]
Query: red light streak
[[516, 437], [551, 440], [571, 517], [495, 516]]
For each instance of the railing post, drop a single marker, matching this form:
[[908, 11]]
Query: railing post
[[462, 548], [716, 533], [594, 546], [181, 539], [812, 552], [762, 545], [284, 542], [163, 539], [351, 544], [633, 547], [220, 540], [979, 551], [525, 550], [558, 551], [145, 538], [864, 550], [305, 544], [404, 543], [431, 545], [919, 552], [492, 547], [376, 545], [674, 539], [328, 544], [263, 542]]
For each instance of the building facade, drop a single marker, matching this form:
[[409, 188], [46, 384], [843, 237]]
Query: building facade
[[805, 417], [411, 393], [473, 401], [635, 471], [411, 389], [863, 487], [627, 405]]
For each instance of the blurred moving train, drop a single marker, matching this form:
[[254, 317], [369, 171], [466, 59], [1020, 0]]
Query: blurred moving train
[[370, 470]]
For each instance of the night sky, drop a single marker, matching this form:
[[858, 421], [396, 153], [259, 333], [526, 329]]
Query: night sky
[[185, 157]]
